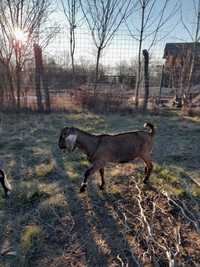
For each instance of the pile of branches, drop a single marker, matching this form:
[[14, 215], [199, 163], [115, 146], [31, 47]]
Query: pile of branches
[[162, 230]]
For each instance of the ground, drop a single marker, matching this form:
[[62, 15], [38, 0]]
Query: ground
[[47, 222]]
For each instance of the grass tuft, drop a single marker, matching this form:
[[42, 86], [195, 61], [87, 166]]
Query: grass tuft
[[43, 170]]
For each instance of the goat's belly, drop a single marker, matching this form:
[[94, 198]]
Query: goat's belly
[[117, 153], [121, 156], [124, 159]]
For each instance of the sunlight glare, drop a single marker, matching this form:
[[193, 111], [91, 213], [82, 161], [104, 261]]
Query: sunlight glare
[[20, 35]]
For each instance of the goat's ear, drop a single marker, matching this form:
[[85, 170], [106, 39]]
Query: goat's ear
[[62, 132], [72, 130], [66, 130]]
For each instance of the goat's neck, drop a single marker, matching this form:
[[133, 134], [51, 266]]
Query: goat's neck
[[87, 143]]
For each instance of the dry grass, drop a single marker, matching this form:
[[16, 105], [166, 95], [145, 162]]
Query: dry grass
[[46, 222]]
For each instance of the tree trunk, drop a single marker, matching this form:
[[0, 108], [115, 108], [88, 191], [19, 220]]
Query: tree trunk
[[139, 59], [38, 91], [18, 83], [1, 95], [192, 68], [46, 92], [194, 53], [146, 79], [11, 87], [44, 83], [72, 49], [97, 69], [182, 79], [161, 83]]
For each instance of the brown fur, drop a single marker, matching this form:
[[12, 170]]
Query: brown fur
[[102, 149]]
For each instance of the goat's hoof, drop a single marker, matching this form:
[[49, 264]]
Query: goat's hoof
[[101, 187], [83, 187], [7, 195], [146, 181]]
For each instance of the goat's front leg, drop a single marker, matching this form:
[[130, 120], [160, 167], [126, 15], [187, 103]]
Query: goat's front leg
[[148, 168], [102, 178], [147, 175], [95, 167], [5, 184]]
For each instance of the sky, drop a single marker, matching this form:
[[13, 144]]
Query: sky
[[123, 47]]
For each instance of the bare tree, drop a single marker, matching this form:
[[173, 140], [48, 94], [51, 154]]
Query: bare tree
[[104, 17], [150, 26], [6, 51], [195, 38], [71, 9], [19, 21]]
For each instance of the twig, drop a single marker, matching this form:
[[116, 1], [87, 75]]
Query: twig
[[196, 224], [121, 261]]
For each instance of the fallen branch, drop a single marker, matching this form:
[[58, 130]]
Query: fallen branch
[[183, 211]]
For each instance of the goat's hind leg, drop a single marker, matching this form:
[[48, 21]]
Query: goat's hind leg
[[148, 168], [95, 167]]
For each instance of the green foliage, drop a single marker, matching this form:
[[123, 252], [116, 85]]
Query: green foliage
[[166, 174], [196, 191], [42, 170], [31, 243], [30, 238]]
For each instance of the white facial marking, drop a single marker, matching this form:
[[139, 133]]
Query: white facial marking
[[71, 141]]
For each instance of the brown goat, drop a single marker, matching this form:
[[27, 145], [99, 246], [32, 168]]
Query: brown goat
[[102, 149]]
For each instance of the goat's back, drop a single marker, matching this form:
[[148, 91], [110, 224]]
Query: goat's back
[[123, 147]]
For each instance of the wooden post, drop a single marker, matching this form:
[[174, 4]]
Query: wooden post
[[146, 79], [38, 69], [40, 80]]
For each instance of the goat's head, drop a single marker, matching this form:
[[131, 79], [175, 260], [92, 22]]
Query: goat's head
[[68, 138]]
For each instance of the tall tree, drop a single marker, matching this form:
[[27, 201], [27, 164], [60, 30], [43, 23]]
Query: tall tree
[[153, 17], [194, 35], [71, 9], [104, 18], [19, 22]]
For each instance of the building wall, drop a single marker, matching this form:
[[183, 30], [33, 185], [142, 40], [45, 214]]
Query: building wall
[[177, 69]]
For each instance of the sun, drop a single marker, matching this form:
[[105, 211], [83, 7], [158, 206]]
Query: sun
[[20, 35]]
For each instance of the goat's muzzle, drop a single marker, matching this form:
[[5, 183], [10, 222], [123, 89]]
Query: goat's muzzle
[[68, 143], [61, 144]]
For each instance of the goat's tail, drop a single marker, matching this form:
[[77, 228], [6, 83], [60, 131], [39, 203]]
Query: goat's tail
[[151, 127]]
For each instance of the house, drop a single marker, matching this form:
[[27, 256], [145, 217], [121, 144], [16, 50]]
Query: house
[[178, 58]]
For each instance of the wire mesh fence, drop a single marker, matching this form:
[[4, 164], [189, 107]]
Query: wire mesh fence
[[116, 80]]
